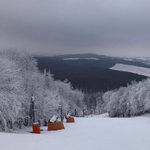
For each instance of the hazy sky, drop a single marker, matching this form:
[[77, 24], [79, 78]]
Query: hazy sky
[[110, 27]]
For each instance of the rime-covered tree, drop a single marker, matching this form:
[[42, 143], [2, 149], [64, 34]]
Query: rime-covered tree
[[11, 91]]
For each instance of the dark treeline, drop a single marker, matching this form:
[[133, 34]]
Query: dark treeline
[[85, 76]]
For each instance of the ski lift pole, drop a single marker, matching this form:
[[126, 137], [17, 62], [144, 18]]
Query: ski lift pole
[[61, 114], [61, 111], [35, 125], [75, 112], [33, 111]]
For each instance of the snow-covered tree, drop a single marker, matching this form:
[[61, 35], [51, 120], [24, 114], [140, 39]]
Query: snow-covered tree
[[20, 80], [129, 101], [11, 90]]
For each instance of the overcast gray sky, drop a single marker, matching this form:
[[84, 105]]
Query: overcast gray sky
[[110, 27]]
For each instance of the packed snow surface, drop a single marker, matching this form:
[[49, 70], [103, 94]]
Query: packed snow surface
[[132, 69], [80, 58], [92, 133]]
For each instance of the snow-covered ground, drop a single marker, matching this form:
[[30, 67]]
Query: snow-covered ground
[[80, 58], [92, 133], [132, 69]]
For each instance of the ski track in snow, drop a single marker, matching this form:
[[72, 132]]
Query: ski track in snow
[[132, 69], [92, 133]]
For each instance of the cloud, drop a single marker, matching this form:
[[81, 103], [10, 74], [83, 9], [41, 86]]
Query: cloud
[[68, 26]]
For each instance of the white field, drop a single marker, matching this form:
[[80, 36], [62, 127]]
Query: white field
[[80, 58], [132, 69], [92, 133]]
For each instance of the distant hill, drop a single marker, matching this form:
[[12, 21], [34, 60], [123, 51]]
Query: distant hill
[[90, 72]]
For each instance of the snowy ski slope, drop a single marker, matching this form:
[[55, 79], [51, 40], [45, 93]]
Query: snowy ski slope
[[92, 133]]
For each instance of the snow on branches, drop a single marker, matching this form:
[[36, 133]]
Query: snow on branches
[[132, 100], [20, 80]]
